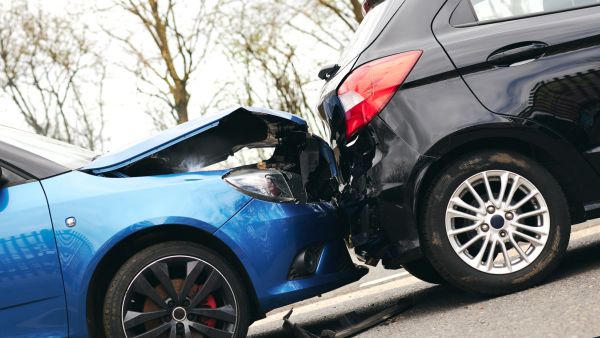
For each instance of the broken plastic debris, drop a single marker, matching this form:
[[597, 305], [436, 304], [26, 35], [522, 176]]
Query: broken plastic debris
[[351, 323]]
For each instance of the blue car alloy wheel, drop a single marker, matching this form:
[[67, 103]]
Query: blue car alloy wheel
[[176, 289]]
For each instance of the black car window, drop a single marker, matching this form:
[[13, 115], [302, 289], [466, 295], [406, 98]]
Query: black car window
[[494, 10], [10, 177]]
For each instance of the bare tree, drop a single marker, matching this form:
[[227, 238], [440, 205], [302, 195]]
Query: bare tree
[[180, 35], [52, 75], [265, 38], [330, 22]]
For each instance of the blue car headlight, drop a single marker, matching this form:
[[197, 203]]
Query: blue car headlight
[[268, 184]]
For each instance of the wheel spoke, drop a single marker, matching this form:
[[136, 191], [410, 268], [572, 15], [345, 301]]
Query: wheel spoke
[[469, 243], [488, 188], [460, 214], [459, 202], [213, 283], [524, 200], [531, 213], [491, 256], [143, 287], [464, 229], [155, 332], [173, 333], [507, 261], [225, 313], [187, 332], [161, 271], [513, 189], [537, 230], [193, 270], [532, 240], [518, 248], [133, 318], [476, 195], [209, 331], [503, 184], [479, 257]]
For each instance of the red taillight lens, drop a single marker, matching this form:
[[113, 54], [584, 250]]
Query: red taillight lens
[[369, 88], [366, 6], [369, 5]]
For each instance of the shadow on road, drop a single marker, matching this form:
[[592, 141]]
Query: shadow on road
[[578, 261], [439, 299]]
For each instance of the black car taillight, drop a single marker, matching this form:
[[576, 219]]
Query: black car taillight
[[370, 87]]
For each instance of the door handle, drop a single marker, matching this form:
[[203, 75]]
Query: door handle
[[517, 53]]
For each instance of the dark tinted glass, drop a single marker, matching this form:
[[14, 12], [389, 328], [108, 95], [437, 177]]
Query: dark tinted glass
[[10, 177]]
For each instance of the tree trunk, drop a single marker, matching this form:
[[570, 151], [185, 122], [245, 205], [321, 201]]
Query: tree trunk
[[357, 9], [182, 99]]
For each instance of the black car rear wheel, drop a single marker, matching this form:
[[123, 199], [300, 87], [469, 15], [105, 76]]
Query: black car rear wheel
[[176, 289], [494, 223]]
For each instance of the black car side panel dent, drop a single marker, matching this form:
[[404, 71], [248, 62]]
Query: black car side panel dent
[[381, 167]]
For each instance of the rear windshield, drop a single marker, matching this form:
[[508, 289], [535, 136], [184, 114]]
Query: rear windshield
[[69, 156], [369, 29]]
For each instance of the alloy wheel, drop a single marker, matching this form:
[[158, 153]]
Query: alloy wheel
[[179, 296], [497, 222]]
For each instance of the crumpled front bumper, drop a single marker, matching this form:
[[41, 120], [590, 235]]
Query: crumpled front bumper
[[267, 237]]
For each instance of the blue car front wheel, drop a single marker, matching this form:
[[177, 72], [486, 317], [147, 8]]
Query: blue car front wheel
[[176, 289]]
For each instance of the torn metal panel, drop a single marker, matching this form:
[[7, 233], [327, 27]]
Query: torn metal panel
[[304, 161]]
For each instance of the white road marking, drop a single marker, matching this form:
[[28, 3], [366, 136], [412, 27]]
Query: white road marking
[[366, 291], [384, 279]]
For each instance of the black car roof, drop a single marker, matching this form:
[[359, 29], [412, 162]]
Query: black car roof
[[32, 164]]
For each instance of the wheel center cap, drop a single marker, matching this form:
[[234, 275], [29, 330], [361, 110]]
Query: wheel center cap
[[497, 222], [179, 314]]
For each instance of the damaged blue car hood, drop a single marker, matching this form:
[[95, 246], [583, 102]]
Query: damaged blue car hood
[[118, 159]]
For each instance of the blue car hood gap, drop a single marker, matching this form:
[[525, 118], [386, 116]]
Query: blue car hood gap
[[170, 137]]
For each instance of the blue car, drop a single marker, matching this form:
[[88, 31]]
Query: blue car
[[157, 240]]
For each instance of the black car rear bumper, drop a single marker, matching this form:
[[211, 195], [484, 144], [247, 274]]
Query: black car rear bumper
[[380, 198]]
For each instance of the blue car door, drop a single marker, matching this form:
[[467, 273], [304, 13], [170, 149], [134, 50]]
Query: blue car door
[[32, 300]]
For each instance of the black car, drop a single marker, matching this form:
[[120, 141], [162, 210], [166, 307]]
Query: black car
[[468, 136]]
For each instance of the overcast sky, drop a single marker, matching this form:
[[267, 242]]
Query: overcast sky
[[125, 117]]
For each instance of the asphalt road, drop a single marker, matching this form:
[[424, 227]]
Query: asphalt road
[[567, 305]]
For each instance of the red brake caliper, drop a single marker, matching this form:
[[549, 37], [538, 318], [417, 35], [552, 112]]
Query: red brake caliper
[[210, 303]]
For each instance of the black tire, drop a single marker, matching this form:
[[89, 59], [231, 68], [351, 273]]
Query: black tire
[[206, 265], [445, 259], [423, 270]]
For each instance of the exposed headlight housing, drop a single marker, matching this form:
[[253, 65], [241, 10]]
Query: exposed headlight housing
[[268, 184]]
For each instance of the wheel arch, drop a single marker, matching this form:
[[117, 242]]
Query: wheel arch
[[129, 246], [560, 158]]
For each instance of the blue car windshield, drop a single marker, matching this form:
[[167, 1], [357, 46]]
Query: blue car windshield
[[67, 155]]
